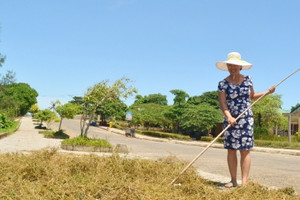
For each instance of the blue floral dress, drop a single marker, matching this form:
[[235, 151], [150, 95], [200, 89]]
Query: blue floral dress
[[240, 136]]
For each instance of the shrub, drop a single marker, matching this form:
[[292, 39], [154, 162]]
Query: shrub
[[117, 126], [296, 137], [11, 129], [207, 138], [4, 122]]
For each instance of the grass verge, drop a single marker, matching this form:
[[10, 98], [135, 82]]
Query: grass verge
[[11, 129], [278, 144], [50, 175], [54, 134], [84, 141], [165, 135]]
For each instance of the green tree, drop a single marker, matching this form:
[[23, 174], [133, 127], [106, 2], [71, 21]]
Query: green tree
[[100, 93], [17, 98], [150, 115], [68, 110], [267, 111], [156, 98], [176, 110], [34, 109], [77, 100], [180, 96], [45, 116], [199, 118], [9, 77], [210, 98], [295, 107], [151, 98], [112, 110], [24, 95], [138, 99], [2, 59], [281, 123]]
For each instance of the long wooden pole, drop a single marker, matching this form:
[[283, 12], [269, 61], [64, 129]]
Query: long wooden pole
[[203, 151]]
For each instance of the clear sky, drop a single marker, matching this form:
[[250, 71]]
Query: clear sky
[[62, 47]]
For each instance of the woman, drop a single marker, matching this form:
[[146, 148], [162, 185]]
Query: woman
[[235, 93]]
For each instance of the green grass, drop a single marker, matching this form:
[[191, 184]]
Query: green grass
[[165, 135], [49, 175], [277, 144], [54, 134], [11, 129], [84, 141]]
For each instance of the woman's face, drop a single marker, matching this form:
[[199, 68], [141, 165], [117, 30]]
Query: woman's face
[[234, 69]]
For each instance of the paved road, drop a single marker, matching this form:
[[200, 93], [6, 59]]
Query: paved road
[[270, 169]]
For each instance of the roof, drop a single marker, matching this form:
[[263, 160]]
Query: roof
[[294, 115]]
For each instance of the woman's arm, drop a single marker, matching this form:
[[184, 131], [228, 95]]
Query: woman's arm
[[254, 96], [222, 101]]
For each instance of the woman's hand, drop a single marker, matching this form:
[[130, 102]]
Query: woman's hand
[[232, 121], [271, 89]]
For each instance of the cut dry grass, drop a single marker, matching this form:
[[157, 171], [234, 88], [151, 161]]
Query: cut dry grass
[[50, 175]]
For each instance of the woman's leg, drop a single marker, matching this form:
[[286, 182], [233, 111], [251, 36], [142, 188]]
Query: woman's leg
[[245, 165], [232, 165]]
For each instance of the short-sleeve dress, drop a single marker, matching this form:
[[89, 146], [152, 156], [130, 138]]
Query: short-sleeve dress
[[240, 136]]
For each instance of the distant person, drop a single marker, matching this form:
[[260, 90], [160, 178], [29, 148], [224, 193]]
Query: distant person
[[235, 93]]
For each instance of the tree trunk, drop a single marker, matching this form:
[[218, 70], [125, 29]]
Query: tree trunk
[[88, 125], [82, 124], [60, 124], [259, 120]]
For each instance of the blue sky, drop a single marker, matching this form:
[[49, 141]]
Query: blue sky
[[62, 47]]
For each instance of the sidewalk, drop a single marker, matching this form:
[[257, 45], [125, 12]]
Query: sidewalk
[[26, 139]]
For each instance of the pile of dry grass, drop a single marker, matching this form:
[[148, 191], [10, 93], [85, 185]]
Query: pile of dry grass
[[50, 175]]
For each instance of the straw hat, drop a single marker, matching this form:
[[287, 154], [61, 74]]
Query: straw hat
[[235, 59]]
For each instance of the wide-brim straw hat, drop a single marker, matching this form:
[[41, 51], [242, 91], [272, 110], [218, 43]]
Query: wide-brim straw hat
[[235, 59]]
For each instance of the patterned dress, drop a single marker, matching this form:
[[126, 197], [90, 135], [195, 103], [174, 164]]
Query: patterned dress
[[240, 136]]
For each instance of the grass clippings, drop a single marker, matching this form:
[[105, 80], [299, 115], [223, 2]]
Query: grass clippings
[[50, 175]]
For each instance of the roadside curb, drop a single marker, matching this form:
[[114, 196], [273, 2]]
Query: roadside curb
[[70, 147]]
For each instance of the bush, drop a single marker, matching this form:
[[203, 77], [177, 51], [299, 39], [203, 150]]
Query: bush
[[261, 130], [11, 129], [4, 122], [261, 133], [296, 137], [207, 138], [117, 126]]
